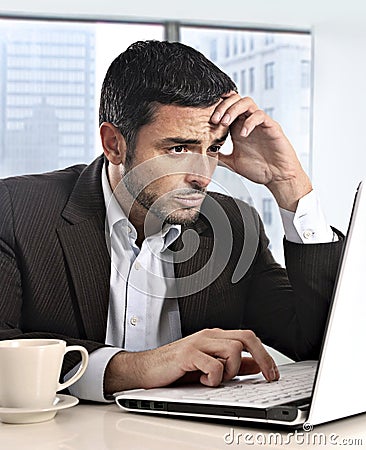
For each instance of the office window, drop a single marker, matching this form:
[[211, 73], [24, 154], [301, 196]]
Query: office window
[[251, 79], [278, 89], [269, 75], [235, 45], [227, 46], [50, 77], [235, 77], [243, 44], [213, 50], [305, 117], [243, 82], [267, 213], [305, 74], [269, 38]]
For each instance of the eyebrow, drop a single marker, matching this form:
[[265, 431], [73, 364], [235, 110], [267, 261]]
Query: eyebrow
[[181, 140]]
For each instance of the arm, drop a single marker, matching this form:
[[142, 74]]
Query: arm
[[287, 309], [211, 355], [261, 151], [11, 288]]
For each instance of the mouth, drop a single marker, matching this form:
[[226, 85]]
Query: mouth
[[190, 201]]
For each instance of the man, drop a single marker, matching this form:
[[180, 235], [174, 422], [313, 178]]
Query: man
[[131, 257]]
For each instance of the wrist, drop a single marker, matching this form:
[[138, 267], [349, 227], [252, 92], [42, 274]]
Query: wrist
[[122, 373], [288, 192]]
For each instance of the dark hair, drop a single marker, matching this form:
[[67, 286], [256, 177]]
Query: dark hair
[[153, 72]]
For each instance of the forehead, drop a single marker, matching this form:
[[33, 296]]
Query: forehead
[[188, 121]]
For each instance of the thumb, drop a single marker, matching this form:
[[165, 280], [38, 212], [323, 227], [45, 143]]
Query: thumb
[[248, 366]]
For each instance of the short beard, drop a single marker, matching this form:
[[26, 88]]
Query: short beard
[[173, 219], [151, 203], [148, 201]]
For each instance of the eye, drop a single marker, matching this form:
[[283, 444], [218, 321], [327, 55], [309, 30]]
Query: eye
[[214, 148], [178, 149]]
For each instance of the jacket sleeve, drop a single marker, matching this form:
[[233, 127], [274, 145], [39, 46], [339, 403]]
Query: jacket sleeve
[[288, 307], [11, 291]]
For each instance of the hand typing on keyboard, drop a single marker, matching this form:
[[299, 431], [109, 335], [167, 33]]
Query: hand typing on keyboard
[[211, 355]]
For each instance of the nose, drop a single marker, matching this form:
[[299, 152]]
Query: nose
[[200, 171]]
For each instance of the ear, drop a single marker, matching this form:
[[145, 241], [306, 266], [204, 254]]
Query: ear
[[114, 144]]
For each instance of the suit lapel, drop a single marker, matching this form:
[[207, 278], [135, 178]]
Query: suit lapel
[[83, 243]]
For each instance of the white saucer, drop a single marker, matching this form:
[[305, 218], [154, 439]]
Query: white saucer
[[26, 415]]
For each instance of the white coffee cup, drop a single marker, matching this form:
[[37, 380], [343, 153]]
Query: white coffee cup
[[30, 371]]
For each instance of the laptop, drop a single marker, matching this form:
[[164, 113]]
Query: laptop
[[308, 392]]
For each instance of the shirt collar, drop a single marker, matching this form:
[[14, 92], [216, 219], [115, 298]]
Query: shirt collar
[[115, 214]]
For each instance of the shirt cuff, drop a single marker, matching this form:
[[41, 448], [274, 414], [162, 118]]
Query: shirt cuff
[[307, 225], [90, 385]]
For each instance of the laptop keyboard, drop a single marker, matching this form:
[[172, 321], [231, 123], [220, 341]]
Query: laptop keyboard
[[295, 383]]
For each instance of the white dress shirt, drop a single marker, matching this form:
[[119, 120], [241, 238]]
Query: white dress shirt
[[307, 225], [139, 316]]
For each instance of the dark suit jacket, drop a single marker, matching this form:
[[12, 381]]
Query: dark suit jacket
[[55, 268]]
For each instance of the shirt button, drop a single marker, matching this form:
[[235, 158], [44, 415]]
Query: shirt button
[[129, 229], [134, 320], [137, 265], [308, 234]]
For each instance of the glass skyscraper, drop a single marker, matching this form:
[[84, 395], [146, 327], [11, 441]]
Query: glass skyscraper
[[47, 103]]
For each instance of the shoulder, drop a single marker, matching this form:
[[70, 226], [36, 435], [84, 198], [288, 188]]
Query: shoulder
[[58, 179], [30, 194]]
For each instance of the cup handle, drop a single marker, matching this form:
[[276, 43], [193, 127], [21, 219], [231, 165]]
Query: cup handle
[[82, 367]]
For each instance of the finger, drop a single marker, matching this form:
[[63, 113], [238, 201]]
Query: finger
[[253, 345], [256, 119], [264, 360], [231, 108], [248, 366], [277, 372], [229, 94], [192, 377], [227, 351], [211, 368], [225, 103]]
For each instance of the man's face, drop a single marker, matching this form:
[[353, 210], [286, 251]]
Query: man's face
[[173, 161]]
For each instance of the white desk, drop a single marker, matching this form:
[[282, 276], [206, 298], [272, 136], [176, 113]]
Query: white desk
[[99, 427]]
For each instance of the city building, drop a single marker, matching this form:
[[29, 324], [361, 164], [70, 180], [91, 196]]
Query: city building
[[47, 95]]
